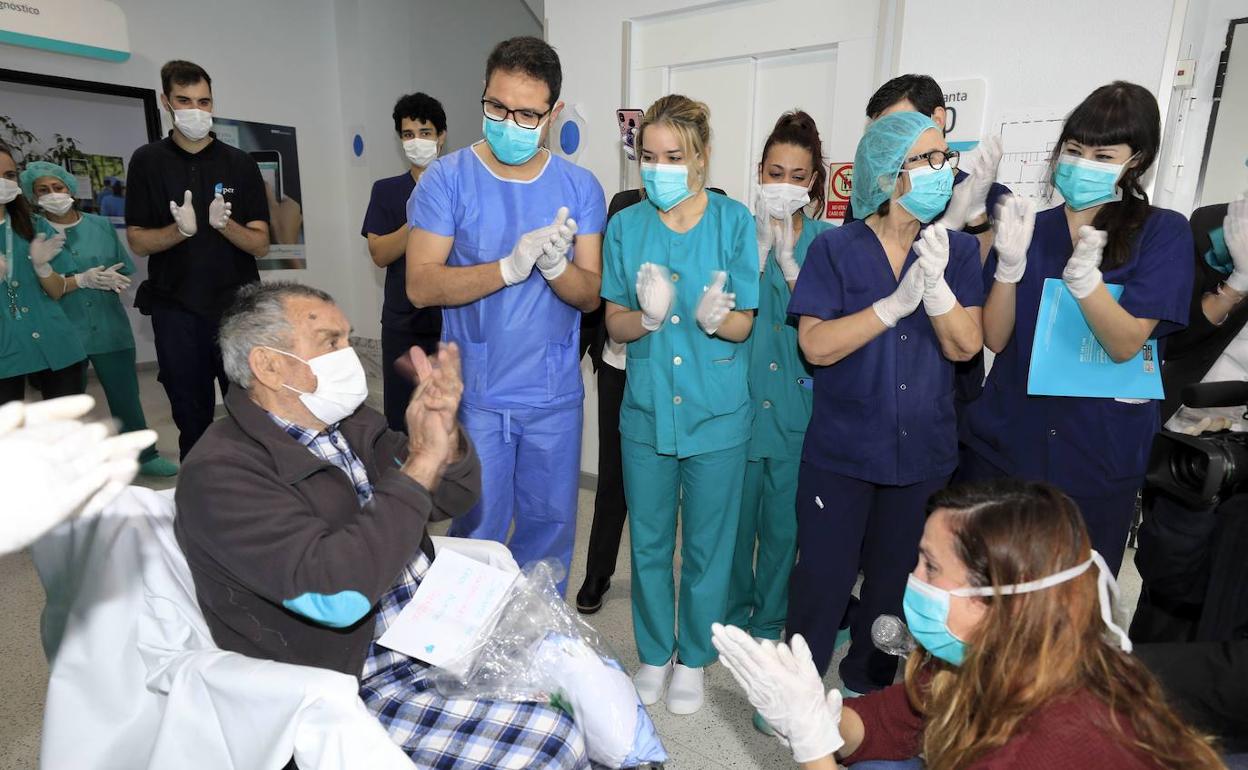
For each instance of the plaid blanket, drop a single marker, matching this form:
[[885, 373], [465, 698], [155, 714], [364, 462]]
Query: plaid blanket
[[458, 734]]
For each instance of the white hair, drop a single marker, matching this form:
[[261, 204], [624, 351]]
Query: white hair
[[256, 319]]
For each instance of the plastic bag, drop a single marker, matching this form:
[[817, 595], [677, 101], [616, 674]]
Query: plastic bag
[[539, 650]]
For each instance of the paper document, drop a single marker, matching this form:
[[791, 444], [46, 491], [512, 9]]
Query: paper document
[[457, 602], [1068, 360]]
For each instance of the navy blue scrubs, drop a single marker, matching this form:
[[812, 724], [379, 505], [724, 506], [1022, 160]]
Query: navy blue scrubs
[[1094, 449], [882, 438]]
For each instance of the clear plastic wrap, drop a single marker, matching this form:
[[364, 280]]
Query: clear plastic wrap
[[539, 650]]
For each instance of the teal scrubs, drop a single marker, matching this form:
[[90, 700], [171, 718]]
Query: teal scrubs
[[35, 333], [101, 320], [780, 390], [684, 423]]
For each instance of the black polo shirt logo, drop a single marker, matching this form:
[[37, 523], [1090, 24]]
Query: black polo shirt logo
[[220, 189]]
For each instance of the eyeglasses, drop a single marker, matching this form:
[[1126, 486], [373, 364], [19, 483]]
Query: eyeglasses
[[937, 159], [523, 118]]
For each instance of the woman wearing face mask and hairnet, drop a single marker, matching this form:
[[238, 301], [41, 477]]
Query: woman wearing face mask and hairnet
[[1094, 449], [100, 268], [886, 306], [37, 341]]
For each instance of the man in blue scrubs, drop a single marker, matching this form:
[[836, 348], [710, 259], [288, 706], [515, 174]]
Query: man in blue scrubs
[[420, 123], [507, 238]]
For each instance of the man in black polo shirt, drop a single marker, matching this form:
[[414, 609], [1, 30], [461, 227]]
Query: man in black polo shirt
[[197, 207], [420, 122]]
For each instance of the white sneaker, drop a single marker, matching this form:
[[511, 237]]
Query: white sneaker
[[650, 681], [685, 693]]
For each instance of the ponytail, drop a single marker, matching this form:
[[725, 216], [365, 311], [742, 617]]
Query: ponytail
[[798, 128]]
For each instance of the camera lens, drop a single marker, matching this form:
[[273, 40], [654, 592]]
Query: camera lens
[[1189, 468]]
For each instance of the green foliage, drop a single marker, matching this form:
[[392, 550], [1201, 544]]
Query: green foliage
[[28, 146]]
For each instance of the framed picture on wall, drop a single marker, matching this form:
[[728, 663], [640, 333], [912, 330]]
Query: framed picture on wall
[[91, 129]]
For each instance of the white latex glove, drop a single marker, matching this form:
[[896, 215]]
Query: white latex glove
[[554, 258], [184, 216], [104, 279], [517, 265], [1015, 222], [715, 304], [970, 197], [43, 250], [782, 682], [933, 251], [1082, 273], [763, 231], [785, 240], [654, 295], [904, 300], [53, 466], [219, 212], [1235, 230]]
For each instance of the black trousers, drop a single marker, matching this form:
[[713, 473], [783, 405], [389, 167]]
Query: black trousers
[[190, 361], [51, 383], [397, 389], [610, 510]]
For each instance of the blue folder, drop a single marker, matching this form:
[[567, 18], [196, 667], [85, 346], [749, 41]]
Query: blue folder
[[1068, 360]]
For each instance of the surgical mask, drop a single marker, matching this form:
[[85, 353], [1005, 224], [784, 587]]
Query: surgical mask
[[193, 124], [927, 607], [667, 184], [1086, 183], [930, 190], [340, 384], [420, 152], [9, 190], [56, 203], [784, 199], [510, 143]]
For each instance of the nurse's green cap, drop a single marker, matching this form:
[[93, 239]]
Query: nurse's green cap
[[42, 168], [881, 151]]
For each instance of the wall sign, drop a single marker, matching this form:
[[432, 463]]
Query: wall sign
[[92, 28]]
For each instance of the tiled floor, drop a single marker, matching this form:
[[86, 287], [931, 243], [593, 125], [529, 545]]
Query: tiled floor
[[720, 736]]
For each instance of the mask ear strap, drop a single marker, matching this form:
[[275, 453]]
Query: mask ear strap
[[1107, 591]]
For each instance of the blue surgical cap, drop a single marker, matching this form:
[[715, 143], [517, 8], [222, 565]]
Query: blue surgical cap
[[42, 168], [881, 153]]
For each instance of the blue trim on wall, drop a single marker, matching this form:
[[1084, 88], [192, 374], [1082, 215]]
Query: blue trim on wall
[[61, 46]]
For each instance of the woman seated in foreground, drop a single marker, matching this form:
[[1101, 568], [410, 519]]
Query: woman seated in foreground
[[1018, 661]]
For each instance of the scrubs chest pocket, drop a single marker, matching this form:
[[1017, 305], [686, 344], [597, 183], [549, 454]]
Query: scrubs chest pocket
[[725, 388], [475, 362], [562, 369]]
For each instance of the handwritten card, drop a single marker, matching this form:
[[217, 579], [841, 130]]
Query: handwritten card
[[457, 603]]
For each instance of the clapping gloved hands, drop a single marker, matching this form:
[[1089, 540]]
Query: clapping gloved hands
[[654, 295], [778, 234], [546, 248], [1015, 222], [1082, 273], [104, 279], [782, 683], [715, 304], [43, 250], [54, 465], [1235, 230], [970, 198], [924, 282]]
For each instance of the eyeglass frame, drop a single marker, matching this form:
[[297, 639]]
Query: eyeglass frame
[[955, 155], [509, 113]]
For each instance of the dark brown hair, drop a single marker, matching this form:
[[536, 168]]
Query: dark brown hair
[[182, 73], [798, 129], [18, 209]]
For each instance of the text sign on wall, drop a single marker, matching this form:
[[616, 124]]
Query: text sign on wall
[[840, 185], [964, 112], [92, 28]]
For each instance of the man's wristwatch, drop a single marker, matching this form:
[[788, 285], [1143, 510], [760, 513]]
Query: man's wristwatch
[[982, 227]]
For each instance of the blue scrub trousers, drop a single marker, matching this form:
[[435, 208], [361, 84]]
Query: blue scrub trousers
[[707, 488], [844, 523], [758, 598], [1108, 516], [530, 470]]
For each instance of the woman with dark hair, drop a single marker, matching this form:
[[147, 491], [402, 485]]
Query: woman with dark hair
[[37, 339], [1094, 449], [1014, 668], [791, 184]]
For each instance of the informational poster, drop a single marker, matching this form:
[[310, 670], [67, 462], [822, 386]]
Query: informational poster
[[964, 112], [840, 186], [276, 153]]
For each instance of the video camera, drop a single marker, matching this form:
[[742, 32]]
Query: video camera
[[1201, 471]]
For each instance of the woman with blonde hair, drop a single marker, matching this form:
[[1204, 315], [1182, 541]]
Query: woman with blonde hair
[[680, 277], [1018, 663]]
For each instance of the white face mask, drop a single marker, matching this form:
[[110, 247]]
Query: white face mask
[[340, 384], [193, 124], [56, 203], [420, 152], [784, 199], [9, 190]]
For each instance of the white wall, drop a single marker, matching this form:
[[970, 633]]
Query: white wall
[[324, 67]]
